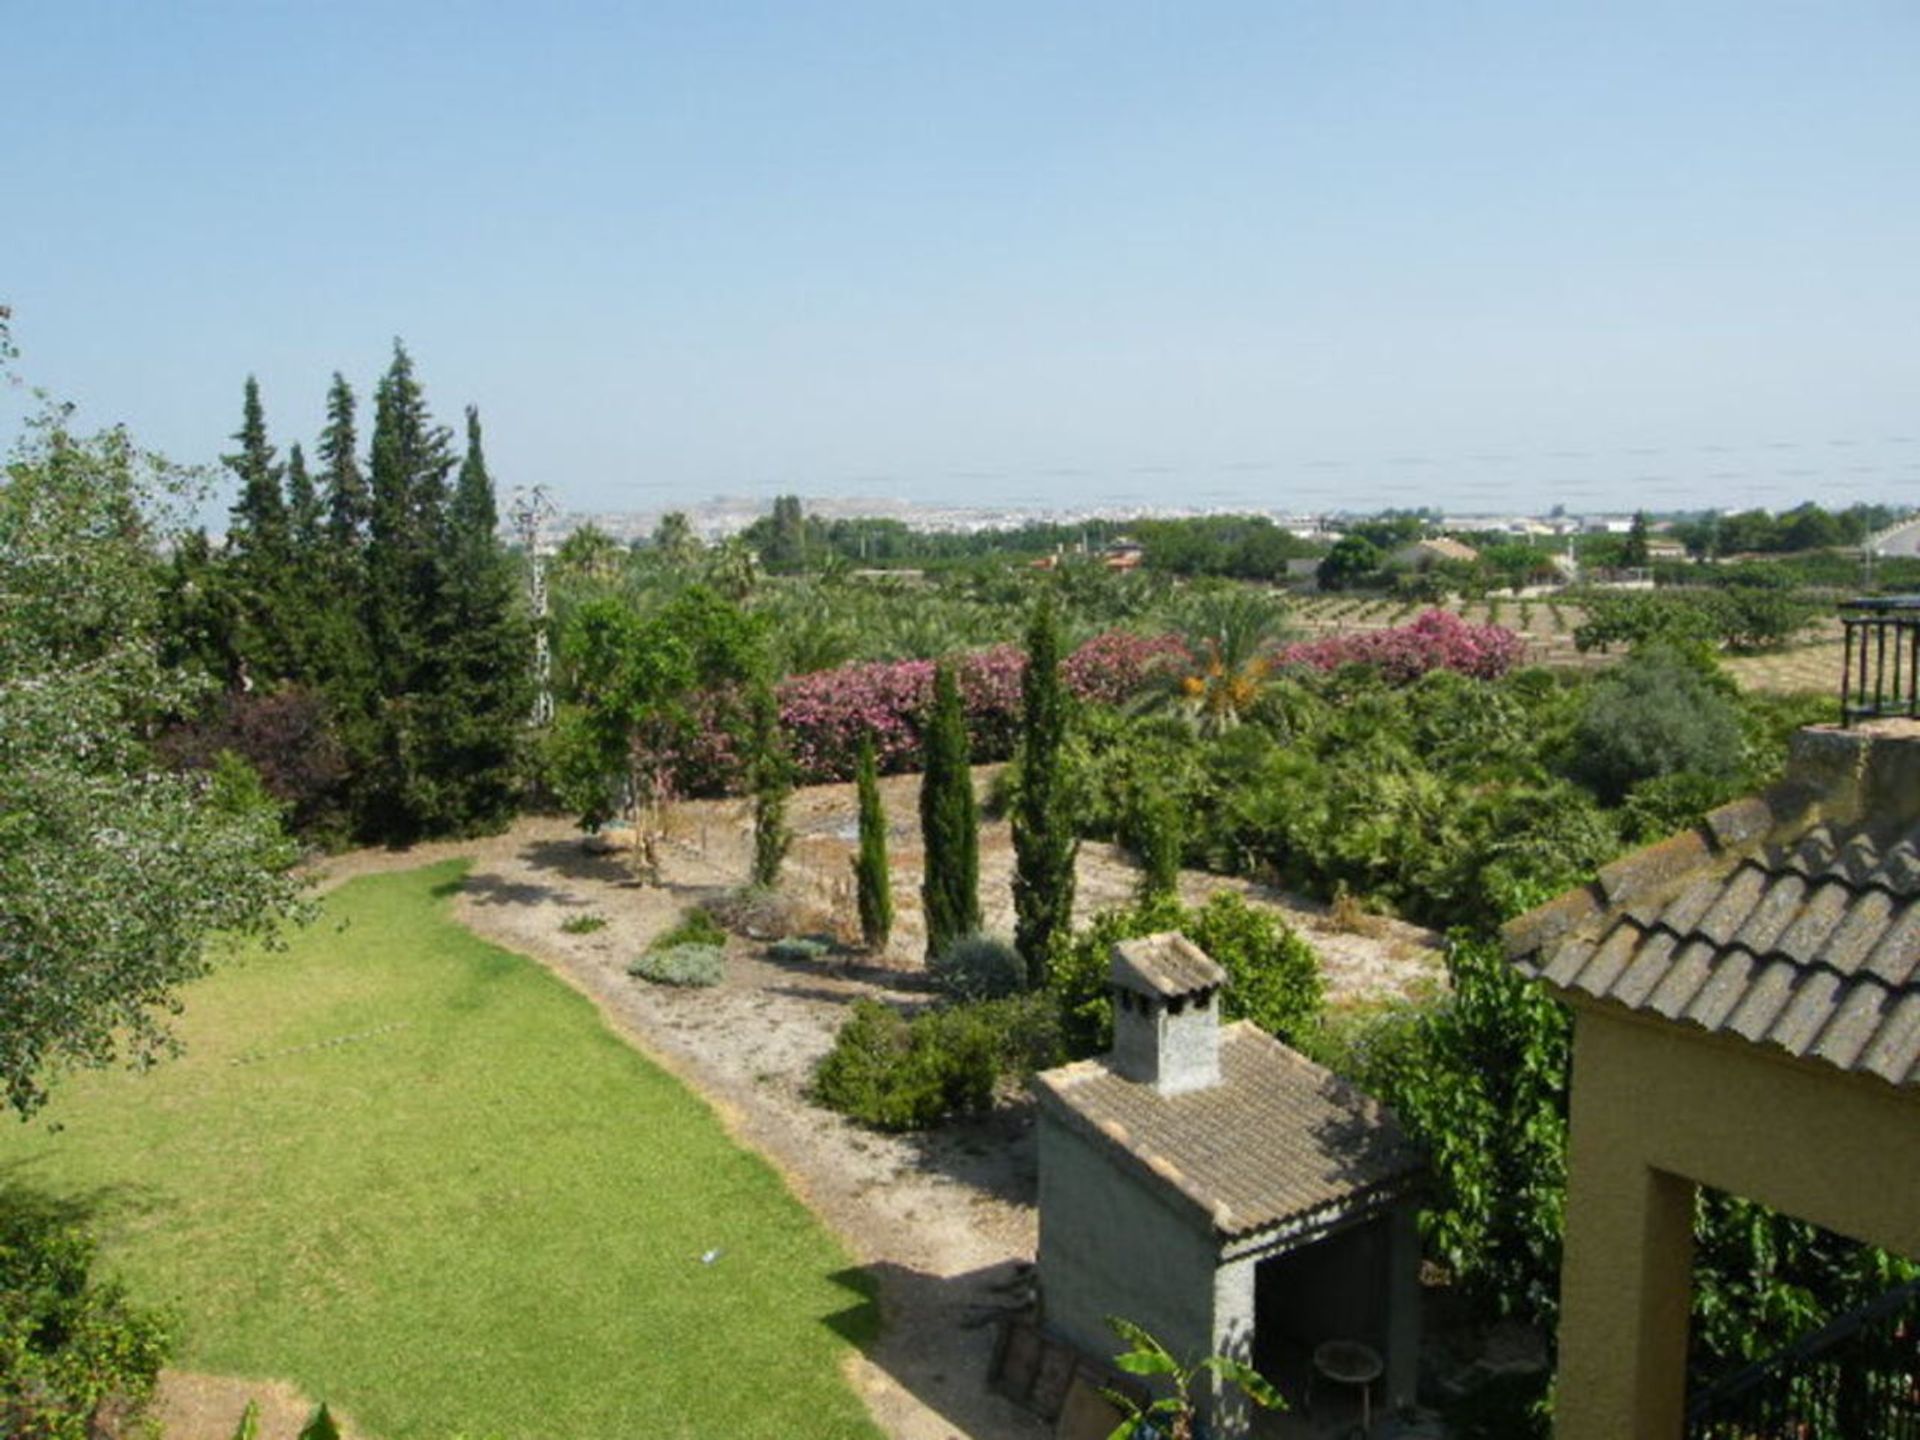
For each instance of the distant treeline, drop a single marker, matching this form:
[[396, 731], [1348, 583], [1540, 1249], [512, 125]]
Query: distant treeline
[[1246, 547]]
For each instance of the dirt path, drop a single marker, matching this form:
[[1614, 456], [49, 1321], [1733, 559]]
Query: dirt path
[[945, 1222]]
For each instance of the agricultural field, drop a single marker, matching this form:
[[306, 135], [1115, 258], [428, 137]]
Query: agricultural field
[[417, 1176], [1814, 666]]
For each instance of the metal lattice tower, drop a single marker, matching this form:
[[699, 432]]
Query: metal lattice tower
[[531, 509]]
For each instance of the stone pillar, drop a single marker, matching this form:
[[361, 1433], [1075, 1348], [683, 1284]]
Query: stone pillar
[[1403, 1304], [1229, 1413], [1625, 1282]]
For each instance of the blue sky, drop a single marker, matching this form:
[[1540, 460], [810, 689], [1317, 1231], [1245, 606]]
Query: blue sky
[[1471, 255]]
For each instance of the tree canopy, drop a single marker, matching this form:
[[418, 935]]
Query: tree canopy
[[115, 874]]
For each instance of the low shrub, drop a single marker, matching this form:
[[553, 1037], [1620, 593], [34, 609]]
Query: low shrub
[[684, 964], [583, 924], [754, 911], [800, 949], [77, 1358], [696, 927], [979, 967], [895, 1073]]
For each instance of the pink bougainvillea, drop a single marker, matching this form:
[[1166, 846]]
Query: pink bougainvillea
[[1111, 668], [1438, 640], [826, 713]]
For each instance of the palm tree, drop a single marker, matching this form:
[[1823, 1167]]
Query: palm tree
[[1230, 634], [733, 568]]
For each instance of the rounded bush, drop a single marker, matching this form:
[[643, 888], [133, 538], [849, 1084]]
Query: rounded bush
[[695, 965], [893, 1073], [979, 967]]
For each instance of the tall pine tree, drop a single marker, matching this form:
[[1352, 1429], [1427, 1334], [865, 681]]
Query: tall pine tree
[[348, 505], [303, 590], [259, 551], [257, 532], [342, 651], [404, 599], [949, 825], [476, 692], [1044, 843], [304, 514]]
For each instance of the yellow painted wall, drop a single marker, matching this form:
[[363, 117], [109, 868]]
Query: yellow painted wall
[[1658, 1109]]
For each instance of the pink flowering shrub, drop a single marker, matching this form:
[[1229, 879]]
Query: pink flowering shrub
[[1438, 640], [825, 714], [1111, 668]]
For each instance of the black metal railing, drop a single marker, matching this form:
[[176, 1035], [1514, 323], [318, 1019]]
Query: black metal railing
[[1857, 1378], [1882, 674]]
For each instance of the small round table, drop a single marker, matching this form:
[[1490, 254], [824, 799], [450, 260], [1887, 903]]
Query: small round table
[[1348, 1362]]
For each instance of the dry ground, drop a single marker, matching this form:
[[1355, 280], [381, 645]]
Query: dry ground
[[945, 1222], [191, 1406]]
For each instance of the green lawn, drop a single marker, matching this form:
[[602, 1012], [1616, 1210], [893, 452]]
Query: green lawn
[[415, 1175]]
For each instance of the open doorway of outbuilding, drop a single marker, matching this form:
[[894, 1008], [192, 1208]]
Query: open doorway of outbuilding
[[1335, 1289]]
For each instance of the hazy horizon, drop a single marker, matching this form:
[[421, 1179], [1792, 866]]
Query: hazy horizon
[[1274, 256]]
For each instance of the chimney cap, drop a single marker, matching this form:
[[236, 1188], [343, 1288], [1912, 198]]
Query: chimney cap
[[1167, 965]]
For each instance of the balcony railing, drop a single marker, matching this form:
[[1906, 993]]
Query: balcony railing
[[1882, 675], [1855, 1379]]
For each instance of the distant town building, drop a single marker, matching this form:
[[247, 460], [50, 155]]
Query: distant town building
[[1425, 554]]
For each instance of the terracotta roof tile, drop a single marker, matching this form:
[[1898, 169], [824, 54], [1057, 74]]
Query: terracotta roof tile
[[1166, 964], [1786, 926], [1278, 1139]]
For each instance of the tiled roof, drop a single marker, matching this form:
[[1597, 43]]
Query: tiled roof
[[1441, 547], [1167, 964], [1279, 1139], [1778, 922]]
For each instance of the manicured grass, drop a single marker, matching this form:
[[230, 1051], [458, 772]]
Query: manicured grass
[[416, 1175]]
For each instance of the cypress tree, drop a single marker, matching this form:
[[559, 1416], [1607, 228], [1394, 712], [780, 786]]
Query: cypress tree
[[872, 882], [949, 828], [1157, 842], [1044, 843], [771, 774], [475, 518]]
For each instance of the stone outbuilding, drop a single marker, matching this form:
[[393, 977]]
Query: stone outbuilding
[[1211, 1184], [1746, 1000]]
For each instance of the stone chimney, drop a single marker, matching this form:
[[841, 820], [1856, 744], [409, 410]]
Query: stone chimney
[[1868, 773], [1166, 1013]]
